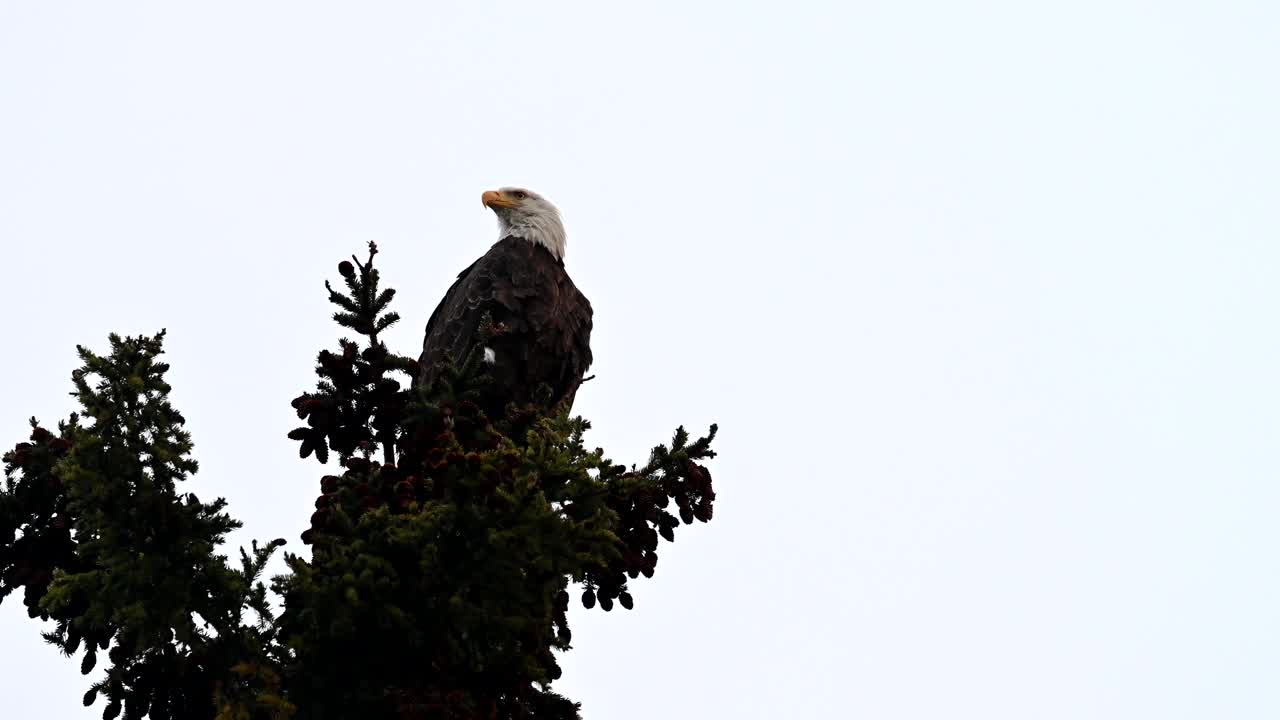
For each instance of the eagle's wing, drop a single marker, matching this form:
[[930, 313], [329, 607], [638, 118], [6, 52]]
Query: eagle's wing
[[434, 342], [448, 296]]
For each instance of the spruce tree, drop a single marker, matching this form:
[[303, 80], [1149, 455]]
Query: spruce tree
[[444, 543]]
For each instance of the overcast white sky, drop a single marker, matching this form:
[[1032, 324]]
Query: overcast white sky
[[984, 296]]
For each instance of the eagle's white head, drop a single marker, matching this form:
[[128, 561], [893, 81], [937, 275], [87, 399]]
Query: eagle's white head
[[526, 214]]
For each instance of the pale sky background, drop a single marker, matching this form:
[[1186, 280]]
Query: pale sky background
[[984, 297]]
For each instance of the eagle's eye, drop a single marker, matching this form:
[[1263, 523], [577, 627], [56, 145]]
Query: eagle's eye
[[520, 195]]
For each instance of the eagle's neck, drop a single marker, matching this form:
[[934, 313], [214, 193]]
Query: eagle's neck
[[544, 230]]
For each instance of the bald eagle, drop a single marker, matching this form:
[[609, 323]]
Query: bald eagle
[[541, 322]]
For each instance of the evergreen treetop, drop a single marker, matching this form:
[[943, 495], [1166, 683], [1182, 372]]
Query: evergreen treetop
[[443, 545]]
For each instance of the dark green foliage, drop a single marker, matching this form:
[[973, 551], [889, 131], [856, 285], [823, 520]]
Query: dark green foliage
[[109, 550], [443, 546], [35, 527], [356, 404]]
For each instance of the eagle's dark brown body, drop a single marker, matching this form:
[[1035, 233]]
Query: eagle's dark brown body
[[543, 322]]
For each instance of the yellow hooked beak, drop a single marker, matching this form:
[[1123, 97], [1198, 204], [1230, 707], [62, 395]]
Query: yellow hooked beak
[[495, 199]]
